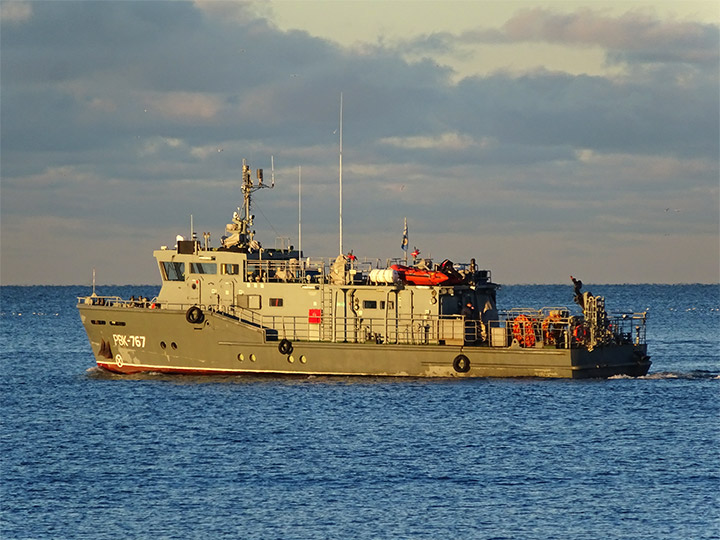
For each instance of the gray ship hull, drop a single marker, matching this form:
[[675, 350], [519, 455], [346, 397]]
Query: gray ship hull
[[162, 340]]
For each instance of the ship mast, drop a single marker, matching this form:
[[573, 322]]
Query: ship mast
[[341, 191], [239, 232]]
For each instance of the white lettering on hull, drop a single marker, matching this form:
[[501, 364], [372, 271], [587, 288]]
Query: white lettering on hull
[[123, 340]]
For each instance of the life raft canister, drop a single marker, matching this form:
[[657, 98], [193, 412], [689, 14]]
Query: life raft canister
[[523, 331]]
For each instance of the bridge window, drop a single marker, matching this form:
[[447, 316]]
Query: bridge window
[[276, 302], [203, 268], [375, 304], [174, 271], [230, 269]]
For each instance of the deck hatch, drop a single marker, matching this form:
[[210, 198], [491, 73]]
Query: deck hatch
[[249, 301]]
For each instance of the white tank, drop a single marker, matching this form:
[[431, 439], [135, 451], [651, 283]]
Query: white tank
[[384, 275]]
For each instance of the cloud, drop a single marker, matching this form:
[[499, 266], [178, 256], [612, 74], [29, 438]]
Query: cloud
[[444, 141], [15, 12], [137, 114], [634, 37], [185, 106]]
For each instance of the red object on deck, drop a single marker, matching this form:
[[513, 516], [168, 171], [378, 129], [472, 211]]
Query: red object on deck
[[417, 276]]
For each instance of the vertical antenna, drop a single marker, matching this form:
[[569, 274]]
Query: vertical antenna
[[272, 171], [299, 211], [192, 229], [93, 293], [405, 240], [341, 193]]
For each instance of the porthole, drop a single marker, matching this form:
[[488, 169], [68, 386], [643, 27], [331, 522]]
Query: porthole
[[162, 345], [303, 360], [291, 359], [173, 345], [253, 358], [240, 357]]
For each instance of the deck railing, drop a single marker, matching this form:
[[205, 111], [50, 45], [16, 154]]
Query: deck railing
[[393, 330], [523, 327]]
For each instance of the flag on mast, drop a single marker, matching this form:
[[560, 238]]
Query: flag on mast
[[404, 245]]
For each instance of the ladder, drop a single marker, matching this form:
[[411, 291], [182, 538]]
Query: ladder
[[326, 322]]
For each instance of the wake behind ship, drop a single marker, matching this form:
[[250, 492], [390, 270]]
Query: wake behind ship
[[239, 308]]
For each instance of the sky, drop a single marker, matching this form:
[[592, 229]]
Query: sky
[[542, 139]]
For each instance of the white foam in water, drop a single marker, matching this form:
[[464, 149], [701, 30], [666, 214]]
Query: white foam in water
[[668, 375], [662, 375]]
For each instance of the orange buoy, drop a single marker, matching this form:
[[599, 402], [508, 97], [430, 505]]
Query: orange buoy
[[524, 331]]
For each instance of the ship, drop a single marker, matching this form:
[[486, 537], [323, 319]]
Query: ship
[[242, 309]]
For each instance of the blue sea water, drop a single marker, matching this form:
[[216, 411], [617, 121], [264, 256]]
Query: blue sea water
[[84, 454]]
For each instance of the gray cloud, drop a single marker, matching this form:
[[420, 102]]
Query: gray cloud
[[633, 34], [634, 37], [122, 118]]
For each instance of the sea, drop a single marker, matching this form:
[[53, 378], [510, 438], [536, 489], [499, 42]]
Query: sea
[[86, 454]]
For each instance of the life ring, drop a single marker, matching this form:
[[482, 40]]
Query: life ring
[[580, 333], [551, 329], [285, 347], [461, 364], [194, 315], [523, 331]]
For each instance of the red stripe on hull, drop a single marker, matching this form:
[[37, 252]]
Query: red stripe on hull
[[126, 369]]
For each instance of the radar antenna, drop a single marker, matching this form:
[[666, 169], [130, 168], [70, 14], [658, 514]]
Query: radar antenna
[[239, 232]]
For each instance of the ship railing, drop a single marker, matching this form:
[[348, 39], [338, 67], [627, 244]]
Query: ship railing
[[290, 271], [96, 300], [303, 271], [556, 327], [118, 302], [318, 270], [531, 328], [628, 327], [422, 330]]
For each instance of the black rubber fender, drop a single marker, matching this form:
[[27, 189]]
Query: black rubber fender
[[194, 315], [285, 347], [461, 364]]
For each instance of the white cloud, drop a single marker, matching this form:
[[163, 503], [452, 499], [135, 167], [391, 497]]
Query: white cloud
[[442, 141], [632, 32], [15, 11], [155, 145], [182, 105]]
